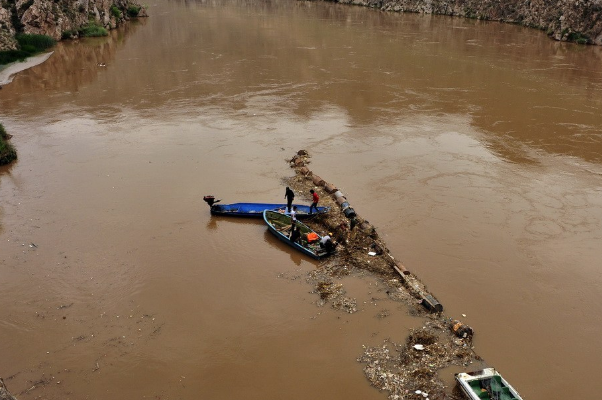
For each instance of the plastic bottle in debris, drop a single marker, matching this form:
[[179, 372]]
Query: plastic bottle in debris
[[461, 330]]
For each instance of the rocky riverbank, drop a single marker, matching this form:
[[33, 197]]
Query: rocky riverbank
[[61, 18], [565, 20]]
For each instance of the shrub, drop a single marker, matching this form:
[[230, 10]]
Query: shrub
[[10, 56], [116, 12], [28, 48], [3, 133], [39, 42], [578, 38], [68, 34], [29, 45], [133, 11], [93, 30], [7, 151]]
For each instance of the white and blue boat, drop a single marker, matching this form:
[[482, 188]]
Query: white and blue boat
[[486, 384]]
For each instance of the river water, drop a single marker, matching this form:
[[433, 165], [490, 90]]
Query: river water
[[475, 148]]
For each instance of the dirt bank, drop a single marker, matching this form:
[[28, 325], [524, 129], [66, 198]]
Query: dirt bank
[[407, 369]]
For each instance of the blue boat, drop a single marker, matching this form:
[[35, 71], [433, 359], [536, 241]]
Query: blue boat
[[257, 209], [280, 225]]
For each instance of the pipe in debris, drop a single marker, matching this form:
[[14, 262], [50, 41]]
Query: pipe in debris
[[341, 200], [349, 212], [318, 181], [338, 194], [430, 303], [330, 188], [401, 270]]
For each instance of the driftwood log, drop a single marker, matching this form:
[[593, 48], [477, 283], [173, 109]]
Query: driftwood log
[[4, 393]]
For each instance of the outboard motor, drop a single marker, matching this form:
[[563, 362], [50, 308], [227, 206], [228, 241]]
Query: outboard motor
[[210, 200]]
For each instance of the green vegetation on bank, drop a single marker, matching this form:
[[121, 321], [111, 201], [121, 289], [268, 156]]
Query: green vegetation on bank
[[116, 12], [91, 29], [133, 11], [29, 45], [8, 153], [577, 37]]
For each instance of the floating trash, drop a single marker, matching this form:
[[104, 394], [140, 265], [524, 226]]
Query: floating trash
[[419, 347]]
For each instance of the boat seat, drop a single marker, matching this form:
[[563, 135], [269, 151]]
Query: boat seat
[[496, 383], [476, 388], [505, 394]]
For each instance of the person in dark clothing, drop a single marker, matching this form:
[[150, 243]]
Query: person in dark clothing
[[315, 199], [295, 234], [289, 195], [327, 244]]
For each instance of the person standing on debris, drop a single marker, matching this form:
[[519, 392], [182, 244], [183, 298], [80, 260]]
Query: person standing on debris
[[315, 199], [289, 195]]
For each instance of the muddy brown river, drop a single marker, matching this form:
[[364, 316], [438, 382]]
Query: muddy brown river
[[475, 148]]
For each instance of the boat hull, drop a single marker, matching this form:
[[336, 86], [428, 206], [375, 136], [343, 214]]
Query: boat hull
[[255, 210], [279, 224]]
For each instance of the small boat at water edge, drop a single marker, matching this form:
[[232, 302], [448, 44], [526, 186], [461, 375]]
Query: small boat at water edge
[[486, 384], [280, 225], [256, 209]]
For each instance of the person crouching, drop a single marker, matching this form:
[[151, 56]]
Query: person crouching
[[327, 243]]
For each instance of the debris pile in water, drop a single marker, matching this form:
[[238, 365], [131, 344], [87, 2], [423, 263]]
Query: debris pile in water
[[4, 393], [406, 371], [334, 292]]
